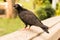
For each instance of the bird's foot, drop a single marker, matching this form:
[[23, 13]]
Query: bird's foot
[[26, 29]]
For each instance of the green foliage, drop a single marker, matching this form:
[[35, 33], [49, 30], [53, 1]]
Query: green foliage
[[58, 9], [1, 0], [49, 11], [41, 13], [39, 3], [45, 12], [58, 13]]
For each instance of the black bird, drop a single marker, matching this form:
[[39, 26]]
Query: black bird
[[29, 18]]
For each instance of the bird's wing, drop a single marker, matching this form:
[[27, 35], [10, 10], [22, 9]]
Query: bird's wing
[[30, 18]]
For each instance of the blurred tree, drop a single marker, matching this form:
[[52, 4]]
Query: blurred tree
[[45, 12], [4, 0], [16, 1], [54, 2], [58, 9], [39, 3], [9, 9], [50, 1]]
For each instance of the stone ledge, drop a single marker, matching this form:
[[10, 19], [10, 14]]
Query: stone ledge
[[53, 35], [36, 33]]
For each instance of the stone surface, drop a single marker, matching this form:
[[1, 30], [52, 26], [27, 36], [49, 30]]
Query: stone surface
[[54, 34]]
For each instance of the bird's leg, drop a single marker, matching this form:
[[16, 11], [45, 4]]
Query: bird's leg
[[27, 27]]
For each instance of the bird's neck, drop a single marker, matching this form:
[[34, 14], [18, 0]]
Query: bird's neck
[[20, 10]]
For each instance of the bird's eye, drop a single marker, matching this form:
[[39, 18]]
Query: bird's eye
[[13, 6]]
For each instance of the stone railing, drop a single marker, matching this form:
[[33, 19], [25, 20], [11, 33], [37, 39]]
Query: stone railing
[[36, 33]]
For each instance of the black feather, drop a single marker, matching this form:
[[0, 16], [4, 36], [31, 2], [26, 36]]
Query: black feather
[[29, 18]]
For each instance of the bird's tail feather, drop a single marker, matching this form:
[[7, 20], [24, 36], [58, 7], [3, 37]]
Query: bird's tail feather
[[45, 28]]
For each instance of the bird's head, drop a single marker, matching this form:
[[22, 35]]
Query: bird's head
[[18, 7]]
